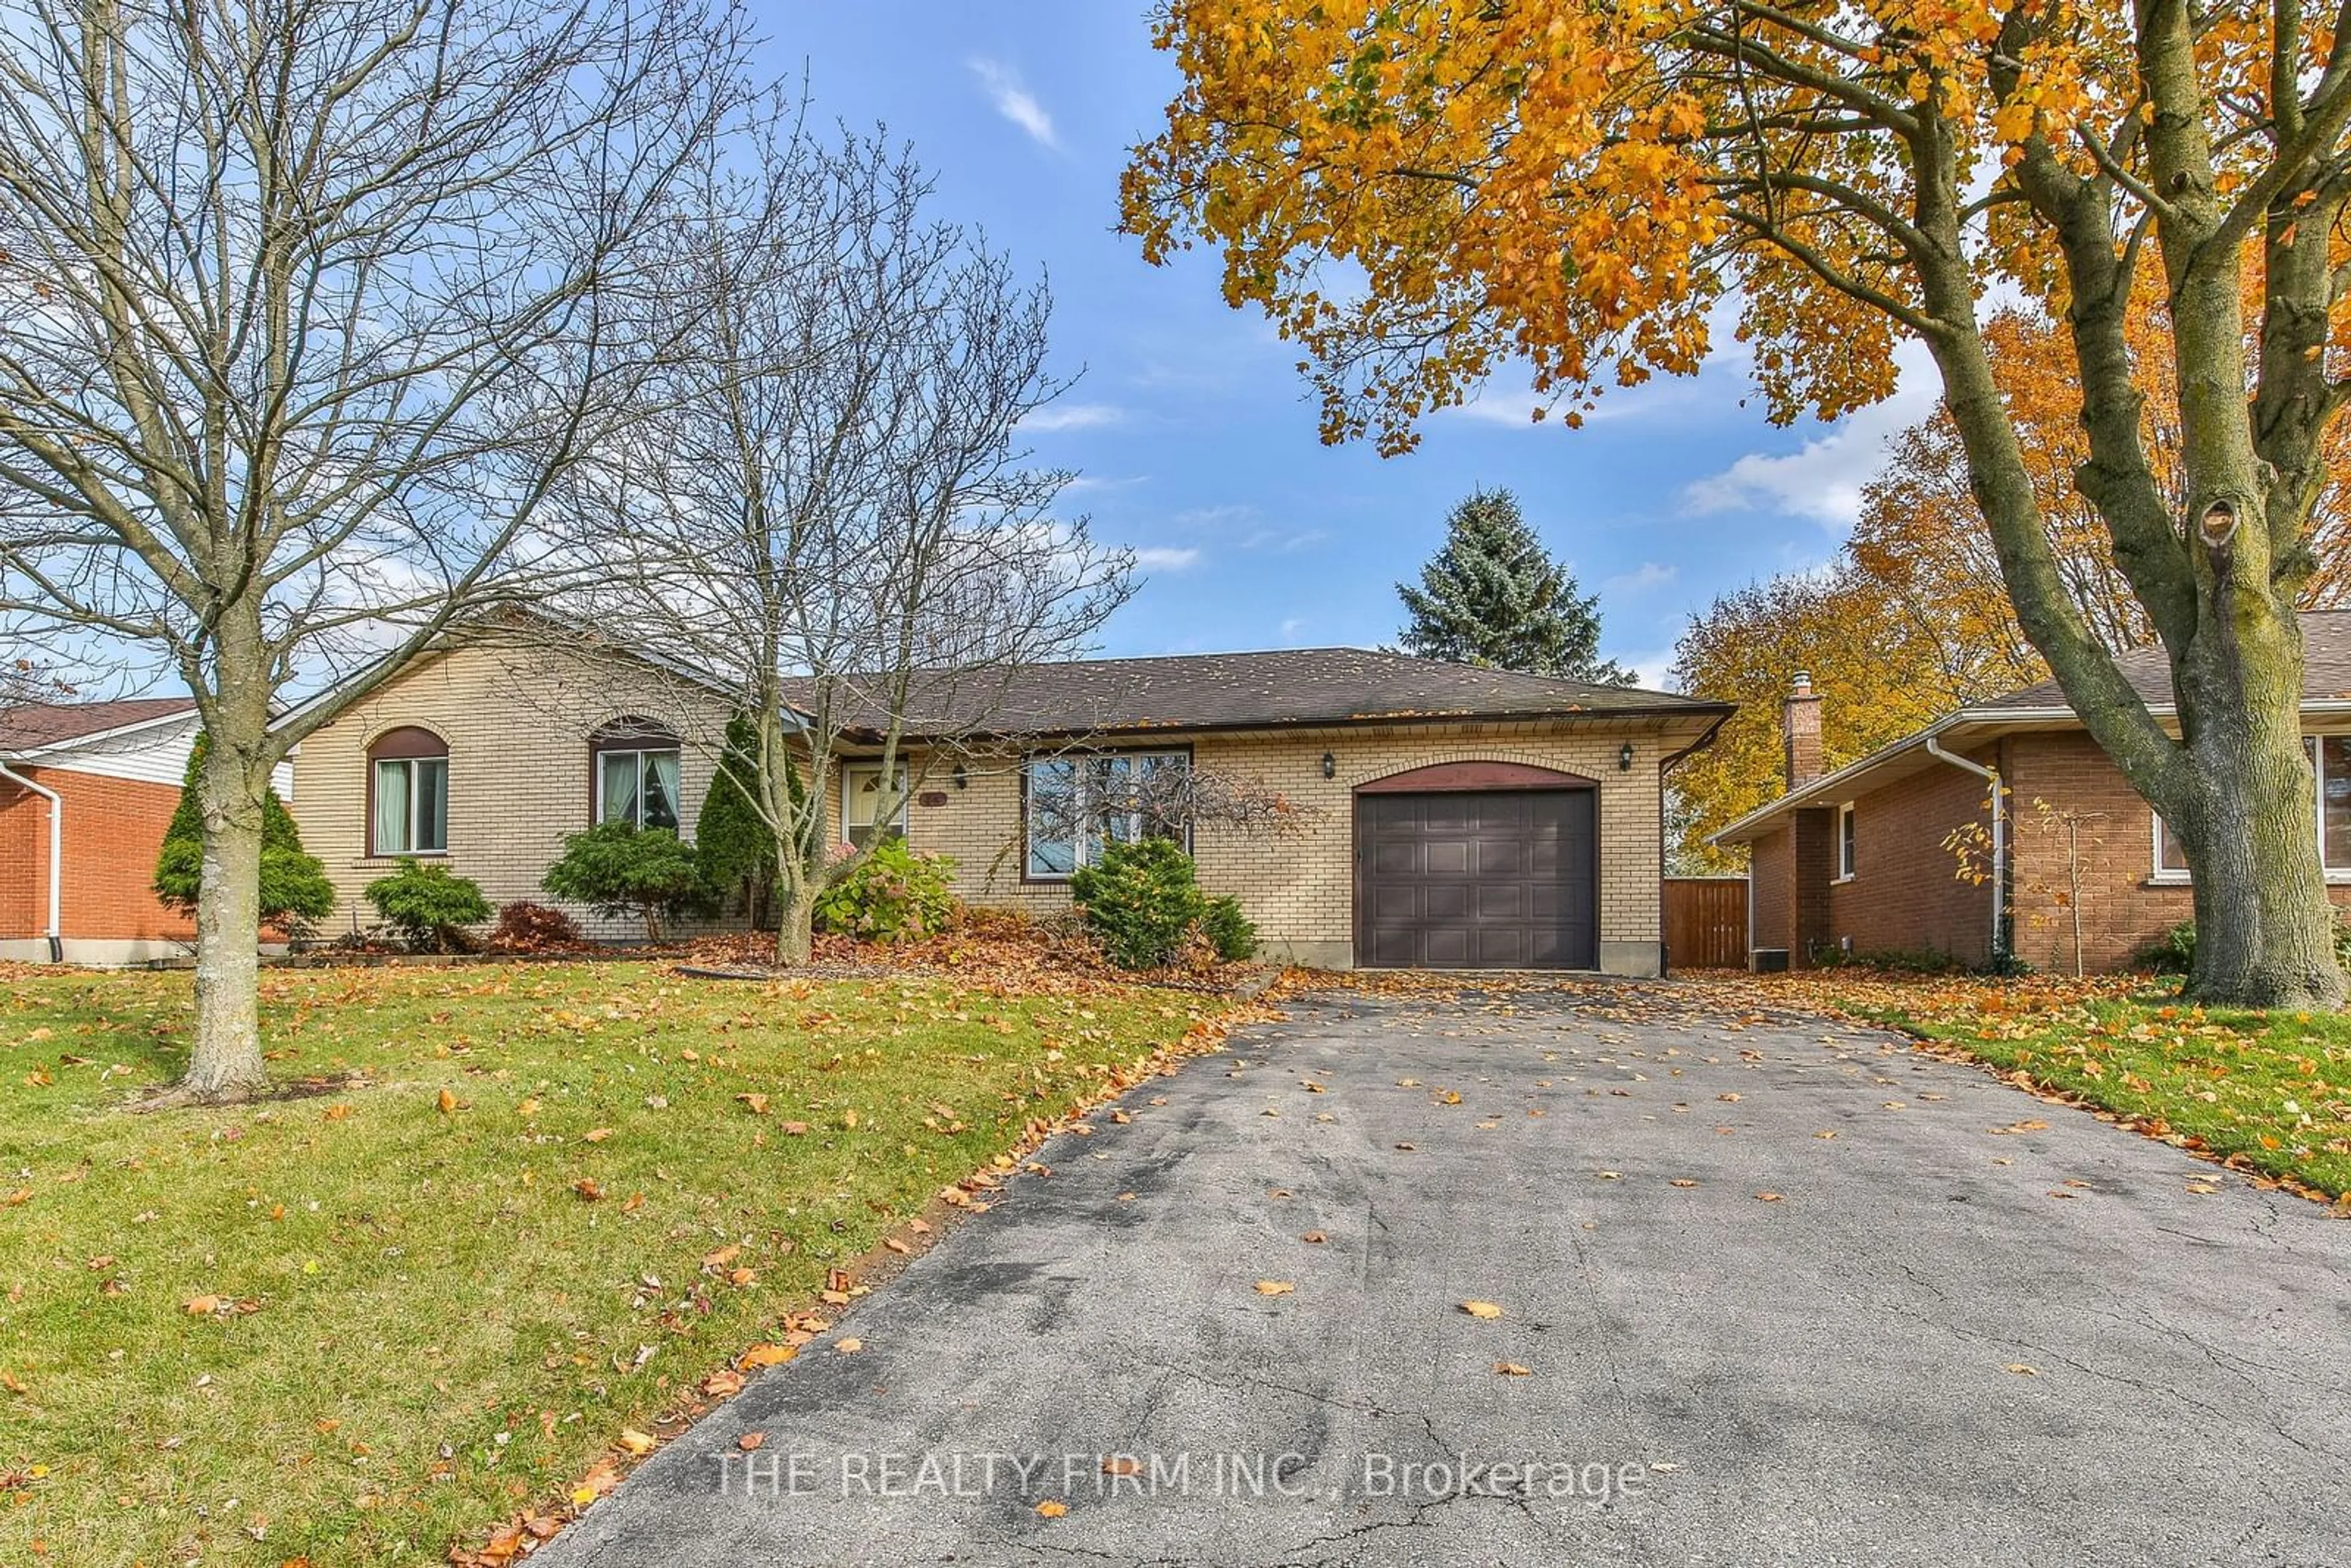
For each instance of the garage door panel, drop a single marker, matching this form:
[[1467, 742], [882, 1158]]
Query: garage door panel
[[1555, 950], [1478, 880], [1449, 857], [1500, 901], [1504, 947], [1446, 946], [1500, 859]]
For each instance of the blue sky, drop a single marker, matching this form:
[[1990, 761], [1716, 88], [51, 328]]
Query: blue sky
[[1194, 434]]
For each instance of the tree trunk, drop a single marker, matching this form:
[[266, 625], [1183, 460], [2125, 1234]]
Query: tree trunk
[[794, 924], [2264, 926], [225, 1063]]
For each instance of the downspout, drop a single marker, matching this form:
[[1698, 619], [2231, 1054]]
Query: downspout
[[56, 853], [1999, 840]]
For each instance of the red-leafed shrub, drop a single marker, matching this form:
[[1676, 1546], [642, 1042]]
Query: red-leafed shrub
[[527, 927]]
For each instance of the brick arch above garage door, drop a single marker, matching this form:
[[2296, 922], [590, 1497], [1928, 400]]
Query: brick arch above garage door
[[1445, 777]]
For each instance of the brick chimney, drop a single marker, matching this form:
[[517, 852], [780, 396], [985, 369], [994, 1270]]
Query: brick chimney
[[1799, 723]]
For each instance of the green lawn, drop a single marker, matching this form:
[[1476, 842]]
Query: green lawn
[[2272, 1089], [422, 1320]]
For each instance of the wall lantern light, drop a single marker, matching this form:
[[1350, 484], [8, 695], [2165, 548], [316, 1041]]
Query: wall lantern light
[[1330, 765], [1624, 759], [962, 777]]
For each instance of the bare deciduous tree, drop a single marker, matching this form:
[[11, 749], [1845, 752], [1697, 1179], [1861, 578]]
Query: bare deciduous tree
[[305, 306], [828, 516]]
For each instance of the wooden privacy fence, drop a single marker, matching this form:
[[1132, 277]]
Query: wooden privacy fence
[[1706, 922]]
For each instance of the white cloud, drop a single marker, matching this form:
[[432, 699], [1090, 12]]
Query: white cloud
[[1515, 409], [1015, 102], [1214, 517], [1075, 416], [1649, 574], [1823, 479], [1165, 557], [1651, 670], [1285, 541]]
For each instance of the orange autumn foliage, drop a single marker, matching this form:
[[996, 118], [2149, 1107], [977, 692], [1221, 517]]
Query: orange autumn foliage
[[1912, 620]]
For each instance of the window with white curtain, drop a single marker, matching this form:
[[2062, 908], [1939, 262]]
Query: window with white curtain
[[408, 790], [636, 766]]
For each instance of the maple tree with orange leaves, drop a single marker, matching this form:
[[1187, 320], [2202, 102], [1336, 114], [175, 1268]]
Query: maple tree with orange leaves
[[1422, 193], [1911, 619]]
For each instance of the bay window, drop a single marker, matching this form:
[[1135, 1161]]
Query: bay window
[[1076, 807]]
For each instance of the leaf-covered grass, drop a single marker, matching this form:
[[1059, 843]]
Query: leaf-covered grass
[[2273, 1089], [422, 1322]]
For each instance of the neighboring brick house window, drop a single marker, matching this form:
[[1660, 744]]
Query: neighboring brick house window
[[634, 763], [860, 801], [2330, 762], [408, 793], [1844, 841], [1075, 808]]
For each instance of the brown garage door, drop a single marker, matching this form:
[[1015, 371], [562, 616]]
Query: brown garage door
[[1478, 880]]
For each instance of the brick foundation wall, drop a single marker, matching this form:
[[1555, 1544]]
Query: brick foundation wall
[[113, 832]]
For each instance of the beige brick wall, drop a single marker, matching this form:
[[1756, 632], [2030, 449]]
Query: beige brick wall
[[517, 724], [517, 728], [1300, 889]]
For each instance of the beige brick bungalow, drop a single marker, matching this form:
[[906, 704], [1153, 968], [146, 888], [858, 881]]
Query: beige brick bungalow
[[1447, 816]]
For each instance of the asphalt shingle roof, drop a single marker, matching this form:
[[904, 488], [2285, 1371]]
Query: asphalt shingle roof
[[31, 726], [1302, 686], [2326, 669]]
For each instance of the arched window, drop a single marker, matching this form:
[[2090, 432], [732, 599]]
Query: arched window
[[408, 793], [633, 763]]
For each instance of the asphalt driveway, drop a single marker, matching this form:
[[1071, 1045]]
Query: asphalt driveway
[[1970, 1328]]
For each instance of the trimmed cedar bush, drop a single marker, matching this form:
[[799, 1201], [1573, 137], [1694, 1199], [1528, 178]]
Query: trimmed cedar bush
[[430, 906], [896, 895], [1231, 933], [619, 868], [294, 893], [1140, 902], [732, 843]]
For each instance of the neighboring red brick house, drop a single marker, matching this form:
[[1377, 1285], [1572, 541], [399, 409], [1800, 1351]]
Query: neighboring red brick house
[[1868, 858], [101, 779]]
